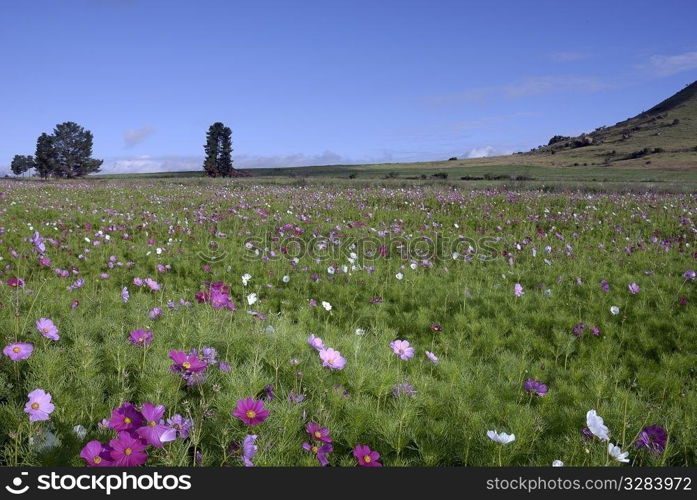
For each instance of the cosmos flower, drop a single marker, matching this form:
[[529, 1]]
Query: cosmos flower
[[320, 452], [124, 295], [315, 342], [633, 288], [616, 453], [604, 286], [652, 438], [46, 328], [127, 451], [152, 284], [535, 387], [366, 457], [690, 274], [557, 463], [518, 290], [501, 438], [596, 425], [79, 283], [245, 279], [252, 298], [181, 425], [39, 406], [327, 306], [184, 362], [15, 282], [155, 313], [402, 349], [615, 310], [125, 418], [399, 276], [432, 357], [318, 433], [249, 449], [18, 351], [332, 359], [153, 431], [251, 411], [96, 454], [141, 337], [403, 389]]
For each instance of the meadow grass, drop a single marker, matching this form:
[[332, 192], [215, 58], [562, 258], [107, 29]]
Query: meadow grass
[[639, 370]]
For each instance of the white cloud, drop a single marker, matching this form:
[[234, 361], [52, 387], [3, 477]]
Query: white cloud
[[670, 65], [135, 136], [487, 151]]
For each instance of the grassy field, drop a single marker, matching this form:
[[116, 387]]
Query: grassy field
[[586, 293]]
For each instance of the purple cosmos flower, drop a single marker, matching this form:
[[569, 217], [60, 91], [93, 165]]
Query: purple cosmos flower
[[402, 349], [366, 457], [124, 295], [186, 362], [652, 438], [268, 392], [633, 288], [518, 290], [403, 389], [690, 275], [578, 329], [155, 313], [586, 434], [96, 454], [18, 351], [315, 342], [138, 281], [604, 286], [125, 418], [46, 328], [127, 451], [320, 452], [251, 411], [15, 282], [376, 300], [224, 367], [39, 406], [141, 337], [153, 431], [44, 261], [75, 304], [152, 284], [249, 449], [79, 283], [595, 331], [535, 387], [432, 357], [208, 354], [38, 242], [332, 359], [317, 432], [296, 398], [181, 425]]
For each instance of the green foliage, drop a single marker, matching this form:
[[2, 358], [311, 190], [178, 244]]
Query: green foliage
[[21, 164], [218, 148]]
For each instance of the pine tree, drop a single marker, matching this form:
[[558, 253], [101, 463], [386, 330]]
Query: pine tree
[[44, 158], [21, 164], [218, 148]]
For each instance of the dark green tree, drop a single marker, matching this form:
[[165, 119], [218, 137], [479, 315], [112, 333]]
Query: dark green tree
[[72, 151], [44, 157], [218, 148], [21, 164]]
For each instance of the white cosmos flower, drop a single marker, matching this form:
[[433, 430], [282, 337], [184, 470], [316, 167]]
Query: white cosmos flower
[[399, 276], [596, 425], [501, 438], [615, 310], [286, 279], [360, 331], [245, 278], [251, 298], [557, 463], [413, 266], [327, 306], [616, 453], [158, 251], [80, 431], [330, 270]]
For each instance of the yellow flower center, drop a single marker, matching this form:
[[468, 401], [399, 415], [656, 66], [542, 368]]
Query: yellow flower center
[[186, 365], [152, 423], [141, 340], [315, 450], [15, 349], [127, 451], [330, 361], [251, 414], [318, 434], [367, 459], [45, 329], [35, 406], [97, 460], [127, 420]]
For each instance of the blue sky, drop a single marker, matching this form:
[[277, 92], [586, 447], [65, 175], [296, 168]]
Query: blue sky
[[322, 82]]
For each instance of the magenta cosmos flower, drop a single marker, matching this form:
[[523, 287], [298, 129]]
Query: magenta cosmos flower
[[652, 438], [46, 328], [18, 351], [39, 406], [535, 387], [141, 337], [184, 362], [402, 349], [15, 282], [127, 451], [318, 433], [251, 411], [366, 457], [125, 418], [153, 431], [332, 359], [633, 288], [96, 454], [320, 452]]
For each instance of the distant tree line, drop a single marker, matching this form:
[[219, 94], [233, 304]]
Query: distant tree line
[[66, 153]]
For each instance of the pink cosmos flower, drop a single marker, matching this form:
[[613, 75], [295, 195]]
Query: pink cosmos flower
[[332, 359], [46, 328], [317, 432], [184, 362], [96, 454], [315, 342], [127, 451], [15, 282], [153, 431], [138, 281], [125, 418], [18, 351], [152, 284], [518, 290], [39, 406], [251, 411], [402, 349], [141, 337], [124, 295], [432, 357], [633, 288], [366, 457], [320, 452]]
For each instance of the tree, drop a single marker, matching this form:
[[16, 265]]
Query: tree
[[44, 157], [218, 148], [71, 147], [21, 164]]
